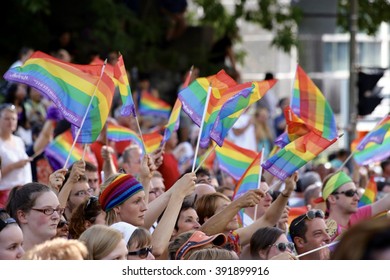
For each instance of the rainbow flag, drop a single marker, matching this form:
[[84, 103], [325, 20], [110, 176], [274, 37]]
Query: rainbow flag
[[296, 154], [369, 195], [70, 87], [174, 119], [375, 146], [118, 133], [57, 151], [120, 74], [152, 141], [234, 159], [193, 97], [250, 179], [232, 109], [150, 105]]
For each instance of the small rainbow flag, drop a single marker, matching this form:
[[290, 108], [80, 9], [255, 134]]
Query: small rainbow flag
[[250, 179], [232, 109], [369, 195], [152, 141], [118, 133], [120, 74], [296, 154], [70, 87], [234, 159], [57, 151], [209, 162], [375, 146], [150, 105]]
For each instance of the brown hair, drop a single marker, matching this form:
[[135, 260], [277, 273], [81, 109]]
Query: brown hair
[[206, 205]]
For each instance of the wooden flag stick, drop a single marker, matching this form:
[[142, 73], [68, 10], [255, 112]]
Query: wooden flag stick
[[259, 180], [84, 152], [205, 157], [316, 249], [201, 126], [140, 135], [85, 115]]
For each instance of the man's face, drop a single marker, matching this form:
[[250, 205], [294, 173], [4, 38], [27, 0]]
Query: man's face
[[93, 182], [316, 236], [157, 188], [342, 201], [133, 165]]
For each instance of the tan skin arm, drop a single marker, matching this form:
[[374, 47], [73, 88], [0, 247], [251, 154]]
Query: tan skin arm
[[78, 169]]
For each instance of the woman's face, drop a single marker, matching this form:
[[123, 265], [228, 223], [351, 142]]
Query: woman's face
[[221, 204], [188, 220], [11, 241], [143, 253], [40, 224], [119, 253], [132, 211], [274, 251]]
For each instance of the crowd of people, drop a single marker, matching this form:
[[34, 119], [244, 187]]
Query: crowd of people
[[123, 204]]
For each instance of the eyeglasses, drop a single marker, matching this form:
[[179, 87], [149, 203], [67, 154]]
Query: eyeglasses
[[62, 223], [142, 253], [348, 193], [50, 211], [310, 215], [6, 222], [284, 246]]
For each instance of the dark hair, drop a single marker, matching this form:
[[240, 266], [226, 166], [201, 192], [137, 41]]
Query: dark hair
[[185, 206], [24, 197], [298, 228], [262, 239], [269, 76], [90, 167]]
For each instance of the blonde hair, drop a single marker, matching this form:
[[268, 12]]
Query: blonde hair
[[57, 249], [213, 254], [100, 240], [140, 238], [111, 216]]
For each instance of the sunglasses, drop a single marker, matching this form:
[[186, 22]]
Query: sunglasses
[[62, 223], [310, 215], [6, 222], [7, 106], [142, 253], [284, 246], [348, 193]]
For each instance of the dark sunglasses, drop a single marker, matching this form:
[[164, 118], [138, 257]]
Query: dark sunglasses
[[311, 214], [6, 222], [284, 246], [348, 193], [7, 106], [62, 223], [142, 253]]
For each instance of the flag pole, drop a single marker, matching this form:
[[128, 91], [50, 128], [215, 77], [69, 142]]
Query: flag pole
[[140, 135], [319, 248], [84, 152], [86, 113], [345, 161], [201, 126], [205, 157], [259, 180]]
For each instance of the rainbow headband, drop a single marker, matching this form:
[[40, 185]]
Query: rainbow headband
[[335, 181], [121, 189]]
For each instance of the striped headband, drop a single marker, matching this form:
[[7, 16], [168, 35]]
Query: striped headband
[[122, 188], [335, 181]]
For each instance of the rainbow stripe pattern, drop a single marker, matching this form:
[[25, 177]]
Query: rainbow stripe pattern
[[152, 141], [375, 146], [70, 87], [57, 151], [296, 154], [250, 179], [234, 159], [120, 74], [118, 133], [150, 105], [369, 195]]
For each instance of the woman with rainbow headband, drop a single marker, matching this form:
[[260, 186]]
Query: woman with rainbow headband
[[341, 197], [124, 200]]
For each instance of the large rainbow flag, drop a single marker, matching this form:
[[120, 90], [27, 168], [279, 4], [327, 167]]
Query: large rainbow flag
[[58, 150], [118, 133], [375, 146], [369, 195], [234, 159], [309, 110], [71, 88], [153, 106], [296, 154], [120, 74], [250, 179]]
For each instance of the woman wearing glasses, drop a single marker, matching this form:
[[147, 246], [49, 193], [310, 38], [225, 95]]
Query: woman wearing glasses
[[271, 243], [37, 210], [15, 169], [138, 240], [11, 238]]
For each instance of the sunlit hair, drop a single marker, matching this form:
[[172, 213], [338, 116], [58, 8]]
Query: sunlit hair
[[206, 205], [140, 238], [177, 242], [213, 254], [100, 240], [57, 249]]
